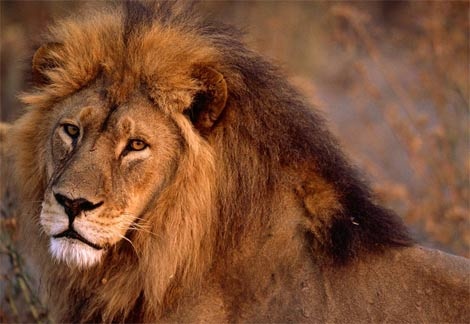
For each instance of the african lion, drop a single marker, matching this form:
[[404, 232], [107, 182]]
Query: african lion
[[181, 178]]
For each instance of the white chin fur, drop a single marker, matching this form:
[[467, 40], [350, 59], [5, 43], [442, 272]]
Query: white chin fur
[[74, 253]]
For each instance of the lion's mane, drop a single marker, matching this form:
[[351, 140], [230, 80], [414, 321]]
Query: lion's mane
[[229, 183]]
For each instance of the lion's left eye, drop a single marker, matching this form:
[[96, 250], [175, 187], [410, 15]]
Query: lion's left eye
[[136, 145], [71, 130]]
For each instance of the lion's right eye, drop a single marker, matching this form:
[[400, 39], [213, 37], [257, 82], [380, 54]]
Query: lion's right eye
[[71, 130], [136, 145]]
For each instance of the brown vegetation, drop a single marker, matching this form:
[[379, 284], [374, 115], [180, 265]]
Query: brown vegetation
[[421, 95]]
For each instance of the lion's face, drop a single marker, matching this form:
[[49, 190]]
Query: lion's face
[[106, 165]]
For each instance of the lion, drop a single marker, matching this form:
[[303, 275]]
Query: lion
[[168, 173]]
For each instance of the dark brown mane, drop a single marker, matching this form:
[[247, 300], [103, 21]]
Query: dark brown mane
[[283, 132]]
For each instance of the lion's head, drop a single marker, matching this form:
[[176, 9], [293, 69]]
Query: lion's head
[[105, 167], [120, 140], [160, 148]]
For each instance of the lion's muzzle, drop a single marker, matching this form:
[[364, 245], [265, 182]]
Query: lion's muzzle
[[73, 207], [75, 238]]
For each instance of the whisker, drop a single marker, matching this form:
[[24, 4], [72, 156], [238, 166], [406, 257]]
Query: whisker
[[145, 231], [134, 218], [138, 227], [132, 227], [126, 239], [131, 218]]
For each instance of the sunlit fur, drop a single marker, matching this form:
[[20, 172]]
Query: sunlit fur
[[210, 224]]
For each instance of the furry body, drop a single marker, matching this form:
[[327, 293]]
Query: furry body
[[240, 208]]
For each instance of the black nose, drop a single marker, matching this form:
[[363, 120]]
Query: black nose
[[73, 207]]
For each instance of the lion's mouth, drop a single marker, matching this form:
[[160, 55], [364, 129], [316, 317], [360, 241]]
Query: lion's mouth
[[72, 234]]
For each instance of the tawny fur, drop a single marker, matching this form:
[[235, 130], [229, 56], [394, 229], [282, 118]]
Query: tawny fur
[[262, 216]]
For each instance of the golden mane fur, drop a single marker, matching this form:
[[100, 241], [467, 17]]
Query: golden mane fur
[[262, 199]]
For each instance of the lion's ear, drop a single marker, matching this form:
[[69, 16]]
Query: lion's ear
[[209, 102], [43, 61]]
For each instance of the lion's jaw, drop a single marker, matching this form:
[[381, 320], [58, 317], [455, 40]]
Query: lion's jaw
[[74, 253], [76, 245], [91, 169]]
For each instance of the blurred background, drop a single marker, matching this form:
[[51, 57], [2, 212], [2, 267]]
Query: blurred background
[[391, 77]]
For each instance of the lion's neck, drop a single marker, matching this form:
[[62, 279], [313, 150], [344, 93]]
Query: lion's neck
[[258, 274]]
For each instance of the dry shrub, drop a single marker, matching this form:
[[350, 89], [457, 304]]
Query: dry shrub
[[18, 302], [420, 93]]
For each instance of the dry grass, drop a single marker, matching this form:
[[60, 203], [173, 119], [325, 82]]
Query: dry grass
[[421, 93], [19, 303], [392, 77]]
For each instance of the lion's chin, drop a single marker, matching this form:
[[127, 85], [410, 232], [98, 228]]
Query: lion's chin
[[75, 253]]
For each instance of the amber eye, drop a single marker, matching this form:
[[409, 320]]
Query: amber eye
[[136, 145], [71, 130]]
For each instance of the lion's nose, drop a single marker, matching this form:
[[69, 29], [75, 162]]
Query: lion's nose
[[73, 207]]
